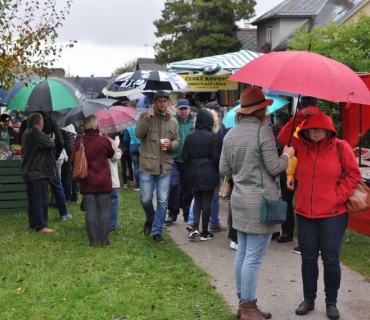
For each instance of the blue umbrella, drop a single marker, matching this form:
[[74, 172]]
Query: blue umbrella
[[7, 95], [229, 119], [145, 102]]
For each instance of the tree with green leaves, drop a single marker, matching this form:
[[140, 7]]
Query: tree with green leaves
[[28, 33], [346, 43], [199, 28], [128, 67]]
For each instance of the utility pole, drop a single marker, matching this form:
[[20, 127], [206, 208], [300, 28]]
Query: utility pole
[[146, 49]]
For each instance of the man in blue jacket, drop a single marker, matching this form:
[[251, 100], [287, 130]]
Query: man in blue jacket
[[180, 189]]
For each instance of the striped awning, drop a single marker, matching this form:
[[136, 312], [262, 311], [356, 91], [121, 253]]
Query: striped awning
[[220, 64]]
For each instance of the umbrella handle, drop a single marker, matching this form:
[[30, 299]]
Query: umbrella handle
[[293, 126]]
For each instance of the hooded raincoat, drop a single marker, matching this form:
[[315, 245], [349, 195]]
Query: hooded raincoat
[[319, 168], [202, 152]]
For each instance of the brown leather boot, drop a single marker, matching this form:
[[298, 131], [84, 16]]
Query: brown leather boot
[[266, 315], [249, 311]]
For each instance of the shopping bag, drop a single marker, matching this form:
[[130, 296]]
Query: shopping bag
[[80, 171], [225, 189]]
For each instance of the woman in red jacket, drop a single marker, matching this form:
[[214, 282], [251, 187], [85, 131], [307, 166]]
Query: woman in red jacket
[[96, 188], [320, 202]]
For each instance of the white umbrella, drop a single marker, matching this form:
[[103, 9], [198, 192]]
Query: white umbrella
[[151, 80]]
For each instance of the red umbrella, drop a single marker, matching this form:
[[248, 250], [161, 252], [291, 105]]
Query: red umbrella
[[117, 118], [305, 73]]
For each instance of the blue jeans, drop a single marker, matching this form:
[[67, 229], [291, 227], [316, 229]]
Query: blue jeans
[[136, 162], [149, 182], [179, 184], [248, 258], [58, 191], [37, 195], [214, 221], [325, 234], [191, 213], [113, 208], [66, 178]]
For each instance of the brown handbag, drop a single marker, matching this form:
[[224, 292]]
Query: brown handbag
[[225, 189], [80, 164], [359, 201]]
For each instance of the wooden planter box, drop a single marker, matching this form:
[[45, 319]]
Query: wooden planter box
[[13, 192]]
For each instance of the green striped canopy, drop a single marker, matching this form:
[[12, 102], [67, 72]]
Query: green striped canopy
[[220, 64]]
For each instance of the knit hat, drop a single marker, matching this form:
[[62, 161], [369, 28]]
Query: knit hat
[[213, 105], [283, 114]]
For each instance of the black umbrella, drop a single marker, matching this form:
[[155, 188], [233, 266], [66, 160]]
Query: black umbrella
[[87, 108], [51, 94], [114, 90], [92, 85], [151, 80]]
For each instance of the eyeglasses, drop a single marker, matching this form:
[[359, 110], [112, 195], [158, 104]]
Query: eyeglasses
[[312, 130]]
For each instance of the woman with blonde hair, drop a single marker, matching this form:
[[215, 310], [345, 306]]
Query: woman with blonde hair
[[97, 187]]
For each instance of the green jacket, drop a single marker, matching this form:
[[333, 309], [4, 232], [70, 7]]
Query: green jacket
[[150, 131], [184, 129]]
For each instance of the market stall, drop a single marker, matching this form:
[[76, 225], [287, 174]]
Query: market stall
[[355, 120], [13, 195], [209, 75]]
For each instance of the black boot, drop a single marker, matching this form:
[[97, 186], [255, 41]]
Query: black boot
[[148, 228], [304, 308], [332, 312]]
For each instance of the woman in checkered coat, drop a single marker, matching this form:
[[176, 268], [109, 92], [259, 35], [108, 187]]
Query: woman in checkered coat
[[240, 160]]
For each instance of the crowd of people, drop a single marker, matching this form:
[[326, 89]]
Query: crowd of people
[[182, 159]]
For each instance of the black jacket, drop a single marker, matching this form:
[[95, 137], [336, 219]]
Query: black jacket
[[38, 155], [69, 141], [50, 126], [202, 151]]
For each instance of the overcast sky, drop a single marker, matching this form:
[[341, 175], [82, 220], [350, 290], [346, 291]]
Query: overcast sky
[[113, 32]]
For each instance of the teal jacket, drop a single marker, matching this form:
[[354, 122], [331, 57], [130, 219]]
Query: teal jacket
[[184, 129]]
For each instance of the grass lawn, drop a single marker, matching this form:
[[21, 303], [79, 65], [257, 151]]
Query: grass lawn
[[58, 276], [356, 252]]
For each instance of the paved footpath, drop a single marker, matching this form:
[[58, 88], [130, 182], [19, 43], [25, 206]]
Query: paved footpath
[[279, 288]]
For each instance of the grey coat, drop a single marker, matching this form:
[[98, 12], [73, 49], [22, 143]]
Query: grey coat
[[239, 160]]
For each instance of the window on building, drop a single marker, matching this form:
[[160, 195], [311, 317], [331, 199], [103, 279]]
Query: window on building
[[269, 34]]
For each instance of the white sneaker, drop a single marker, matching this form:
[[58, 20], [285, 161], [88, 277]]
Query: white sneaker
[[193, 234], [233, 245]]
